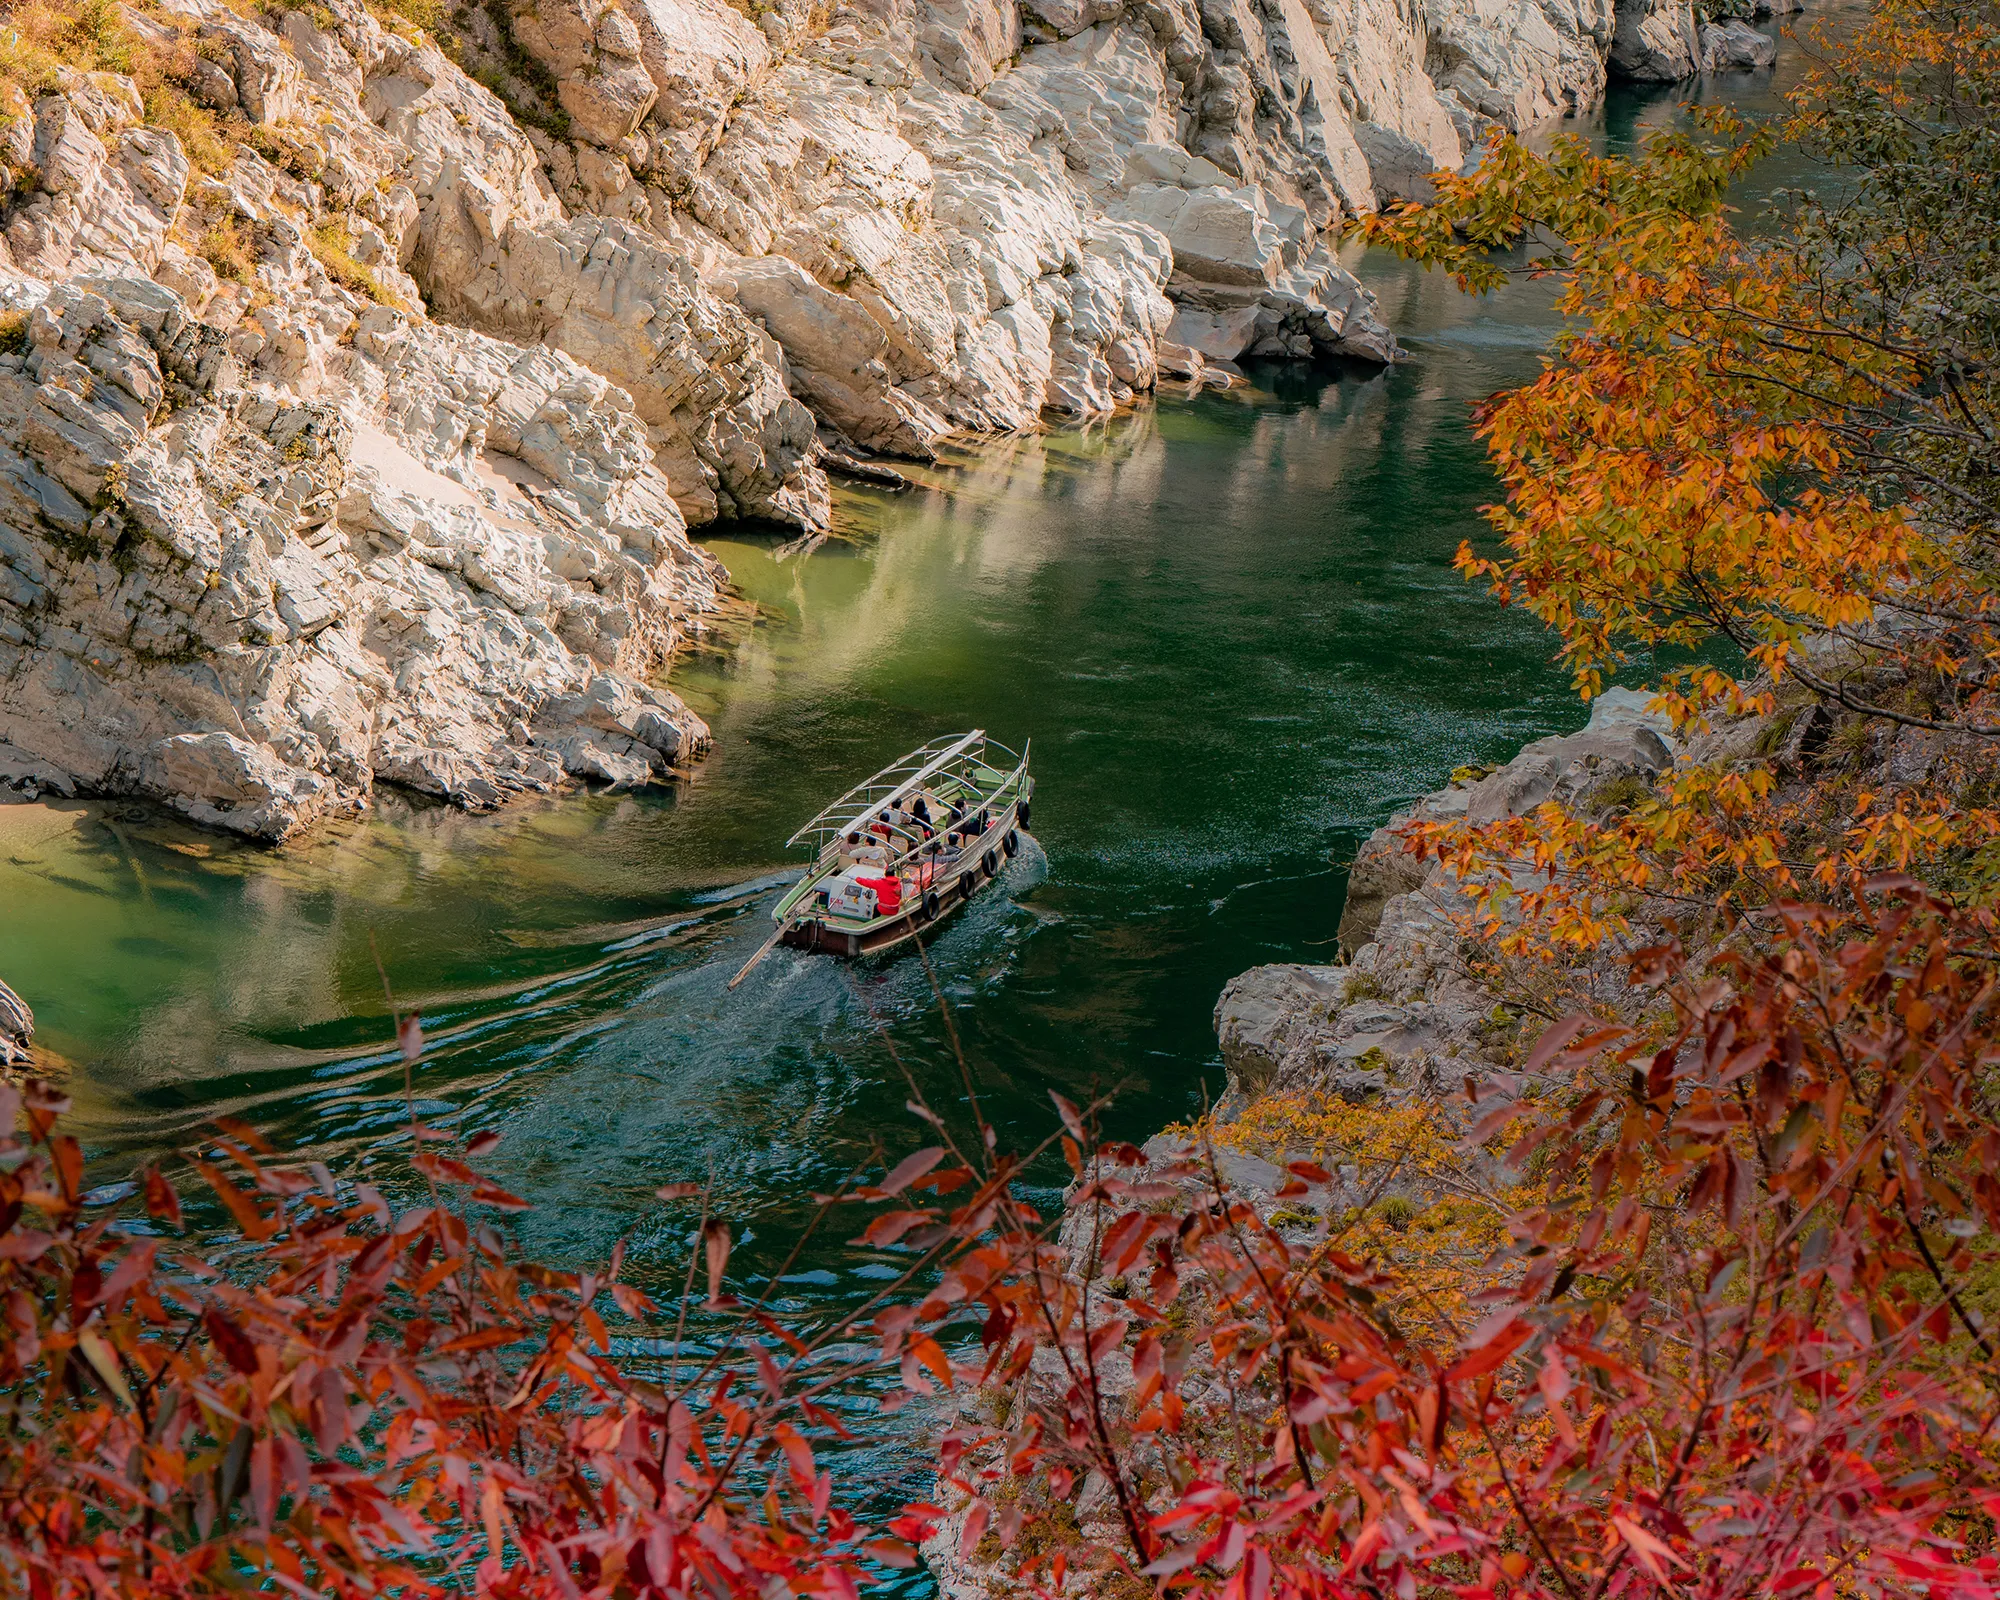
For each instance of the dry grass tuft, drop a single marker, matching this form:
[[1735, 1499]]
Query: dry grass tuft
[[38, 38], [226, 247], [41, 39], [332, 246]]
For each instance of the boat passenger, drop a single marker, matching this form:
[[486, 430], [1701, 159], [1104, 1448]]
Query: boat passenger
[[870, 854], [844, 860]]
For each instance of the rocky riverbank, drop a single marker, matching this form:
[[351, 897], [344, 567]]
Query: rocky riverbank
[[365, 365], [1405, 1003]]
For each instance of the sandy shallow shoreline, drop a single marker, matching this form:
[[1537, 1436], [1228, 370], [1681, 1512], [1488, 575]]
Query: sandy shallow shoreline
[[31, 822]]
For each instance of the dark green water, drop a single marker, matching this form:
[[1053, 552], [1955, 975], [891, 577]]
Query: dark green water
[[1229, 625]]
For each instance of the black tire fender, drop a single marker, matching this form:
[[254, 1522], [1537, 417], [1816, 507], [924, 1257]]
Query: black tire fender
[[932, 905], [1011, 843], [991, 862], [968, 885], [1022, 811]]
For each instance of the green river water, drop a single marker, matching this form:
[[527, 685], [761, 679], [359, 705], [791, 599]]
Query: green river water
[[1231, 628]]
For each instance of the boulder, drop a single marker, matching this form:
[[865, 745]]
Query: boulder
[[224, 781], [1267, 1015], [1404, 1006], [1735, 45], [1514, 66], [835, 357], [1655, 40], [254, 607]]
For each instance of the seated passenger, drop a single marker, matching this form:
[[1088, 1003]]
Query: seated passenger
[[870, 854]]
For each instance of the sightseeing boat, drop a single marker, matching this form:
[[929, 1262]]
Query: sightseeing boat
[[905, 848]]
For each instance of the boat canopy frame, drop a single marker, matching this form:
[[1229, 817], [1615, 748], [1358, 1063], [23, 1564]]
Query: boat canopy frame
[[902, 779], [983, 787]]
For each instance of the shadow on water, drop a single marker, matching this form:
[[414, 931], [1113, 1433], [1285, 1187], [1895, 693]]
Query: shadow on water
[[1229, 623]]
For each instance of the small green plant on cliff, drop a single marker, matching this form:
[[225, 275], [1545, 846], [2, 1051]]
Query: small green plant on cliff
[[429, 15], [14, 331], [541, 105], [1363, 986], [40, 40], [290, 152]]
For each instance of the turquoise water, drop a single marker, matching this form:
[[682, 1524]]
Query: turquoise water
[[1230, 626]]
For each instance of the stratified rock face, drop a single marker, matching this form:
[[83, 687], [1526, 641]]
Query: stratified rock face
[[966, 214], [355, 440], [1518, 62], [17, 1027], [1735, 46], [255, 607]]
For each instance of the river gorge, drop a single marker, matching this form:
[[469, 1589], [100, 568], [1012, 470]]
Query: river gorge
[[1226, 618]]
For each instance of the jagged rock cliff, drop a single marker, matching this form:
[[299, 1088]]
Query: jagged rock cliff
[[362, 378]]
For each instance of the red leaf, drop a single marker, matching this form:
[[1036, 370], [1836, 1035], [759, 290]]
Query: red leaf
[[242, 1207], [891, 1552], [1071, 1119], [479, 1339], [633, 1302], [69, 1165], [1491, 1354], [410, 1036], [909, 1169], [974, 1529], [715, 1242], [892, 1225], [162, 1199], [137, 1263], [1648, 1549], [235, 1345], [244, 1134], [480, 1143]]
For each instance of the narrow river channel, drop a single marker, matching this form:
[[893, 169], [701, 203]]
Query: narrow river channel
[[1231, 628]]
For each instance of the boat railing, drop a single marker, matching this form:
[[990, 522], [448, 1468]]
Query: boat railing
[[922, 850]]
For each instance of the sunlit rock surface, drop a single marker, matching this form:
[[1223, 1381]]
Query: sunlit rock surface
[[356, 439]]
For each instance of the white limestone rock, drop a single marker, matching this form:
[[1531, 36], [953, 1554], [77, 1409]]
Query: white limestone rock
[[17, 1027], [264, 543], [1516, 63], [439, 572], [1404, 1010]]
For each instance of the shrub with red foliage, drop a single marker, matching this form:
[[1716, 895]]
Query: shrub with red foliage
[[1729, 1349], [360, 1401], [1732, 1347]]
